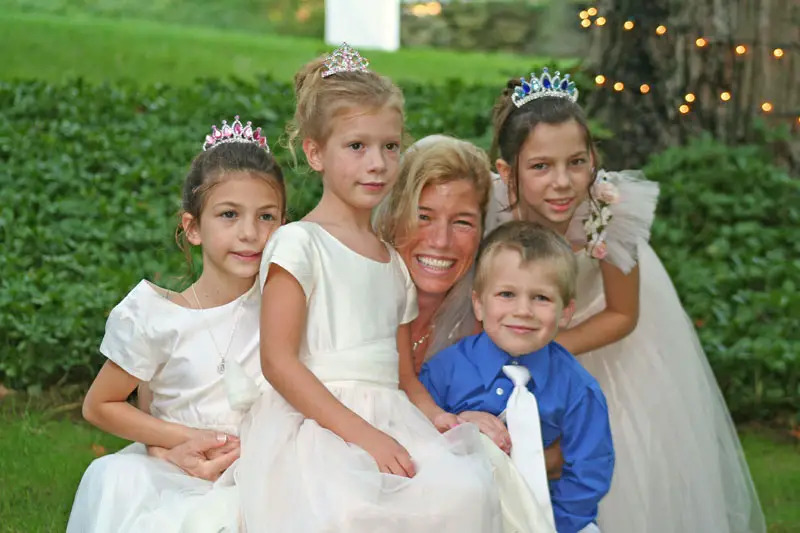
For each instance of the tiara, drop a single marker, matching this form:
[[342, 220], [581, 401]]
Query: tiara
[[544, 85], [235, 133], [344, 59]]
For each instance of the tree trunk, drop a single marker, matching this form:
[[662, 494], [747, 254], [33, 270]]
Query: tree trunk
[[676, 63]]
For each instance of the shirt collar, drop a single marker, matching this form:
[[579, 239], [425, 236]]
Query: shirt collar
[[490, 359]]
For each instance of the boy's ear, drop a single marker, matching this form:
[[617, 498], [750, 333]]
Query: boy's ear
[[566, 314], [477, 307], [313, 152], [191, 229]]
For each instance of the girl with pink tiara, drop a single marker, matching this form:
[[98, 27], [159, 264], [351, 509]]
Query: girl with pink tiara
[[680, 467], [197, 351], [347, 438]]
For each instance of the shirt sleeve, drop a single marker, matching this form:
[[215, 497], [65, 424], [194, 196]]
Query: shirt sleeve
[[588, 463], [291, 247], [432, 377], [126, 342]]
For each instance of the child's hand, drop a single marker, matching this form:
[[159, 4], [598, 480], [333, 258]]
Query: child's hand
[[445, 421], [231, 445], [192, 455], [390, 456], [491, 426]]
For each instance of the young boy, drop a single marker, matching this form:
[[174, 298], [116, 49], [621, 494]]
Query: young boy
[[523, 292]]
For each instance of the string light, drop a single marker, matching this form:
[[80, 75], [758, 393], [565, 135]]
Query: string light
[[700, 42]]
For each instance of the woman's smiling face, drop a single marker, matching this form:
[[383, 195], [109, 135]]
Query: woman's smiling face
[[440, 250]]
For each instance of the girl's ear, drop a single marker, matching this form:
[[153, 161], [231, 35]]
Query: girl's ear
[[191, 229], [504, 169], [313, 152]]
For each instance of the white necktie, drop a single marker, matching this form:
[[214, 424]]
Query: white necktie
[[527, 448]]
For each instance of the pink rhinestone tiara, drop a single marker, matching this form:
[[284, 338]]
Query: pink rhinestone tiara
[[344, 59], [235, 133]]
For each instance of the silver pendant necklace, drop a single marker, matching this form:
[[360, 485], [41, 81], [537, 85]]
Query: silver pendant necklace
[[238, 316]]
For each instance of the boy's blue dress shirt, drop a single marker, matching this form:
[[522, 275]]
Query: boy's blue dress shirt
[[468, 376]]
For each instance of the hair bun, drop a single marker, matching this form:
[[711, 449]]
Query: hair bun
[[511, 84]]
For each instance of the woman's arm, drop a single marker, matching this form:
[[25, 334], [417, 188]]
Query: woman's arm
[[106, 407], [283, 320], [414, 389], [614, 322]]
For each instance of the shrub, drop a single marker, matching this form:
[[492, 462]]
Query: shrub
[[726, 227], [90, 179]]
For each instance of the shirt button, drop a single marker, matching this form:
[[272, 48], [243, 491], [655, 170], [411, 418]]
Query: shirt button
[[499, 391]]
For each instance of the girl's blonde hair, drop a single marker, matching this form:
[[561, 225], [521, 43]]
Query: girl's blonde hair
[[433, 160], [319, 100]]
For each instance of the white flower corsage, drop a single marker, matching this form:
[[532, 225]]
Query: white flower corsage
[[603, 194]]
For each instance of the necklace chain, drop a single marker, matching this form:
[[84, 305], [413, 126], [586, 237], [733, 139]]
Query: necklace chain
[[417, 343], [222, 356]]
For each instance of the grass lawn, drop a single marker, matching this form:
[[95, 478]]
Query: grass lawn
[[54, 48], [44, 449]]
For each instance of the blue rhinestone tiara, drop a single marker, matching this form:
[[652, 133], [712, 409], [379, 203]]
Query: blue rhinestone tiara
[[544, 85]]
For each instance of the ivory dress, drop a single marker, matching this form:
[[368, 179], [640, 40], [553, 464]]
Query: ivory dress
[[169, 346], [295, 476]]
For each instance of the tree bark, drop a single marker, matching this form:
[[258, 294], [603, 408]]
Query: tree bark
[[673, 66]]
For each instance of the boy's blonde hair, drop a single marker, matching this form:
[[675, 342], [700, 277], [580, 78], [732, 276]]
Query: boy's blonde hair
[[534, 243], [319, 99], [432, 161]]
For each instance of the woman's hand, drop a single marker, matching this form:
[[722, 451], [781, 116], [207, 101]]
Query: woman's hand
[[390, 456], [206, 456], [554, 460], [492, 427]]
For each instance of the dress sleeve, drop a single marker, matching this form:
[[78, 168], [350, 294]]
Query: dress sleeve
[[632, 217], [127, 342], [292, 248], [409, 310]]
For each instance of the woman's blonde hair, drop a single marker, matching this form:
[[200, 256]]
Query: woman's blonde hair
[[433, 160], [319, 99]]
